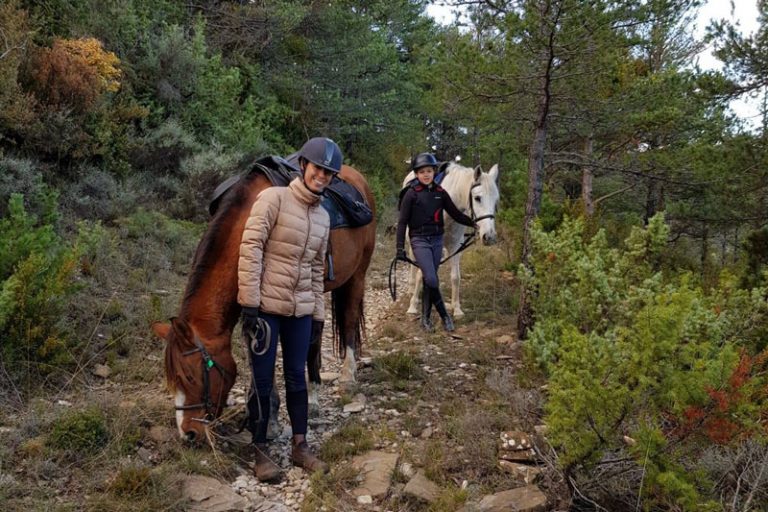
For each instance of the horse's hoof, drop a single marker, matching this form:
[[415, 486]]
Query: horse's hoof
[[314, 410], [414, 310], [273, 430], [458, 313]]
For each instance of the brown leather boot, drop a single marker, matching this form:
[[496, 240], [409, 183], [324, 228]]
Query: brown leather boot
[[302, 456], [263, 467]]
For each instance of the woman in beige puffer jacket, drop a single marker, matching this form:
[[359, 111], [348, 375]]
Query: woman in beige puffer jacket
[[280, 279]]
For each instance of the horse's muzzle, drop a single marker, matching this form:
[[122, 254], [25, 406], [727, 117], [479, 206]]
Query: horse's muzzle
[[489, 239]]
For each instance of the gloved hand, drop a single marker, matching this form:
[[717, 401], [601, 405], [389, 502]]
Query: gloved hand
[[317, 331], [401, 254], [250, 321]]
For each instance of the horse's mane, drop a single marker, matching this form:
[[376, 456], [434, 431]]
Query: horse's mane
[[458, 179], [208, 249]]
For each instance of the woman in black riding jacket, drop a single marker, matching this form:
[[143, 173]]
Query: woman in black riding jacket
[[421, 210]]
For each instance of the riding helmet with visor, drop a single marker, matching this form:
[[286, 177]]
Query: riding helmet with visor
[[322, 152], [423, 160]]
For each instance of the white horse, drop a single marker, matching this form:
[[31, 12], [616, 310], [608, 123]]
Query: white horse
[[475, 193]]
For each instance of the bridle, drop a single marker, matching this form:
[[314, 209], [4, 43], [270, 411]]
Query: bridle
[[472, 208], [207, 403]]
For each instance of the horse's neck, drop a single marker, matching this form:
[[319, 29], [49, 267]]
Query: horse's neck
[[210, 302], [457, 185]]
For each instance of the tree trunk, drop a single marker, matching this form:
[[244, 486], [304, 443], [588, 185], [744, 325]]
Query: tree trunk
[[549, 25], [704, 249], [586, 180], [651, 200]]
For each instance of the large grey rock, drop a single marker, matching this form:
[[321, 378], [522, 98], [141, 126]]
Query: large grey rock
[[523, 499], [209, 495], [423, 488], [376, 469]]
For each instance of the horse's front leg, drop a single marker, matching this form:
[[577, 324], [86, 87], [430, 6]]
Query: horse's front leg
[[416, 283], [455, 286], [313, 369]]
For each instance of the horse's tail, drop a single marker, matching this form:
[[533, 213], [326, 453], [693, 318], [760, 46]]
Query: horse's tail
[[341, 309]]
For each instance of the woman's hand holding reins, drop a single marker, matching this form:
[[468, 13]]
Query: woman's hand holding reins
[[250, 319]]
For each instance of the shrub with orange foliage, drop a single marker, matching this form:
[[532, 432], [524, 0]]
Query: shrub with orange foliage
[[74, 73], [722, 419]]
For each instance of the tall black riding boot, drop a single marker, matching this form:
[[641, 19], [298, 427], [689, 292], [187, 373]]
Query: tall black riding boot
[[437, 300], [426, 310]]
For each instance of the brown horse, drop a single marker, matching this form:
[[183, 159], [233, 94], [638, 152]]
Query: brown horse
[[199, 367]]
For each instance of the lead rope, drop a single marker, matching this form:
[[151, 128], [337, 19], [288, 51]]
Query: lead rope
[[262, 334]]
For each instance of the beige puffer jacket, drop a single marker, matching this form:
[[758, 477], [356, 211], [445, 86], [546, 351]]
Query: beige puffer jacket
[[283, 252]]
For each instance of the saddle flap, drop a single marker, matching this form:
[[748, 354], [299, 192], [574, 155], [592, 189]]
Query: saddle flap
[[351, 204]]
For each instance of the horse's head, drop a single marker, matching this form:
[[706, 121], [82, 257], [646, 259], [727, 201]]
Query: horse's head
[[199, 374], [483, 201]]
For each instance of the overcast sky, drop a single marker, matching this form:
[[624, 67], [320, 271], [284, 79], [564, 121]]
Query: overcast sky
[[741, 12]]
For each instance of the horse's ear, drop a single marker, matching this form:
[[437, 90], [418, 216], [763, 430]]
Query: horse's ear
[[161, 329], [478, 172], [494, 173], [182, 329]]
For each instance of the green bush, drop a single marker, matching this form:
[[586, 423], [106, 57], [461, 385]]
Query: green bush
[[37, 270], [97, 195], [201, 173], [632, 350], [80, 431]]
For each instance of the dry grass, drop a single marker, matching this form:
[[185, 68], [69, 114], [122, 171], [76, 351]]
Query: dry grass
[[351, 439]]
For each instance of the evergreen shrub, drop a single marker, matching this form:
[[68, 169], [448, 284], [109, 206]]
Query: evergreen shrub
[[80, 431], [634, 349], [36, 275]]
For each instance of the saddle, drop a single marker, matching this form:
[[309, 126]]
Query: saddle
[[346, 206]]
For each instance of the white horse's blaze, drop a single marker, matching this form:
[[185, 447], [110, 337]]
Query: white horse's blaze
[[348, 367], [476, 193], [179, 401]]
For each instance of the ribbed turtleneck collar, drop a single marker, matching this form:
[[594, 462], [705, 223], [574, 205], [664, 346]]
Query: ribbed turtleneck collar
[[302, 192]]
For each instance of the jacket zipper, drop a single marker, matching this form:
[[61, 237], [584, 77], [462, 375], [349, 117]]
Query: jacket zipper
[[301, 256]]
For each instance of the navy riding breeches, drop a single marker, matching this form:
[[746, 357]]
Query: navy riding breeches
[[294, 334], [427, 250]]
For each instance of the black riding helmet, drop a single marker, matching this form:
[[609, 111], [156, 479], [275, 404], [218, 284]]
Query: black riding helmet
[[423, 160], [323, 153]]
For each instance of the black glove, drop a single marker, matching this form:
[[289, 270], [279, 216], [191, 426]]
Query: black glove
[[317, 331], [250, 321], [401, 254]]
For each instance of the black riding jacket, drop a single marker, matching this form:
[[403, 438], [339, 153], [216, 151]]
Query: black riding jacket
[[421, 210]]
